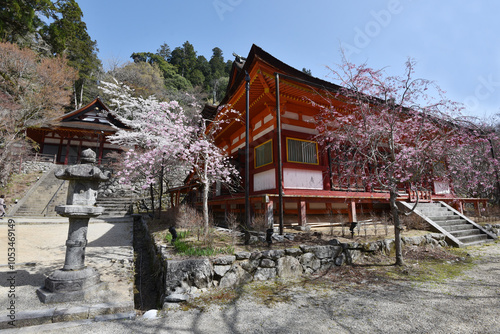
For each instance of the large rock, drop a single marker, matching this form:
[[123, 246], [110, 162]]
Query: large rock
[[289, 267], [416, 241], [250, 265], [437, 236], [327, 264], [221, 270], [274, 254], [293, 252], [267, 263], [198, 273], [255, 256], [242, 255], [278, 238], [234, 277], [340, 260], [371, 246], [323, 252], [224, 260], [310, 262], [389, 246], [264, 274]]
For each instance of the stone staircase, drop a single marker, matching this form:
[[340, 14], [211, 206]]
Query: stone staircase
[[48, 192], [42, 197], [117, 206], [459, 230]]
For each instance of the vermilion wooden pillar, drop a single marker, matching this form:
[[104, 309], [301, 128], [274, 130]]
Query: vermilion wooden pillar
[[302, 213], [476, 207], [67, 151], [352, 211]]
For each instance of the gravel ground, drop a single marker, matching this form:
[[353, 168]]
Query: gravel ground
[[468, 304], [40, 249]]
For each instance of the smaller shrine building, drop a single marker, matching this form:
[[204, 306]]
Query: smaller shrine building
[[67, 136]]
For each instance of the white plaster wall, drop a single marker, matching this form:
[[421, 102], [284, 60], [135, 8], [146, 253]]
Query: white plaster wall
[[441, 187], [265, 180], [302, 179]]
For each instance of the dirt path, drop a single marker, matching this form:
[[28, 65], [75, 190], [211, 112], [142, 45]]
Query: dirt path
[[468, 304], [40, 249]]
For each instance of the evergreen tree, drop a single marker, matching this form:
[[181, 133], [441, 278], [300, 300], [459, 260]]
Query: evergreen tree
[[203, 66], [182, 69], [217, 64], [164, 52], [68, 36], [19, 19], [306, 71], [219, 76], [184, 59]]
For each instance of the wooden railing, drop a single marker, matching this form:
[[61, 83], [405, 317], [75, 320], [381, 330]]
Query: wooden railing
[[422, 195]]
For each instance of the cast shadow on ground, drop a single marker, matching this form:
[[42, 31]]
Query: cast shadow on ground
[[119, 235], [21, 278]]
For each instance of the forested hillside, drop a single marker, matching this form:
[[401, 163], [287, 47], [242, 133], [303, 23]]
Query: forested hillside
[[49, 65]]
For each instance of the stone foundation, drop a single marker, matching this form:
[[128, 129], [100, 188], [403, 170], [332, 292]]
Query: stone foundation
[[180, 278]]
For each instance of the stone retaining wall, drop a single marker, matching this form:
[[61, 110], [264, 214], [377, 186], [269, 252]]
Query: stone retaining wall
[[180, 278], [158, 262], [493, 228], [36, 166]]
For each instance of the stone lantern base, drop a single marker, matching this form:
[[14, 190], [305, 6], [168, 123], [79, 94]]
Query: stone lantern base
[[70, 285], [75, 281]]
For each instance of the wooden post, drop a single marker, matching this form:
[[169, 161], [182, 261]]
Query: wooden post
[[330, 170], [248, 217], [67, 151], [476, 207], [280, 157], [269, 214], [352, 211], [101, 147], [302, 213], [177, 198]]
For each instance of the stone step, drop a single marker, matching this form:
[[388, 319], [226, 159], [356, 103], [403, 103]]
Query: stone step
[[457, 227], [114, 214], [478, 242], [427, 204], [431, 207], [438, 219], [437, 213], [464, 233], [473, 238], [452, 222], [462, 227], [37, 214]]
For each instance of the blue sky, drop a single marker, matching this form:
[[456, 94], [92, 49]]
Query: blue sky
[[455, 42]]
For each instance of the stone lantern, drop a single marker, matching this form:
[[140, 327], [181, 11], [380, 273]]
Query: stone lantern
[[75, 280]]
